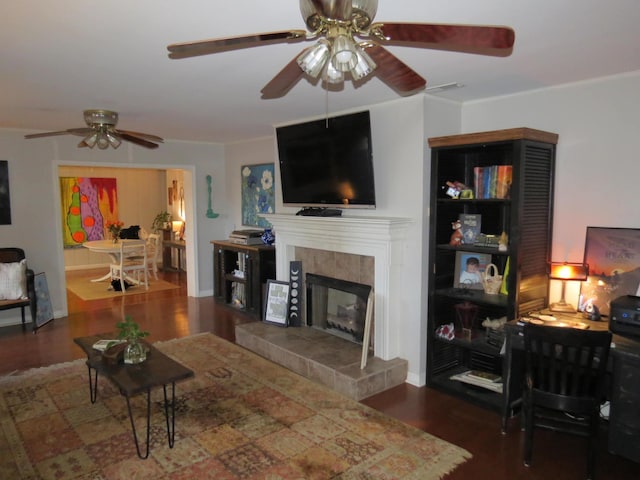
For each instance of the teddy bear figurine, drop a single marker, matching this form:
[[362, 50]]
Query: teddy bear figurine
[[456, 236]]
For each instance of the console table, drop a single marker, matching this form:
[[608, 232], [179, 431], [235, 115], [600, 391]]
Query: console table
[[157, 370]]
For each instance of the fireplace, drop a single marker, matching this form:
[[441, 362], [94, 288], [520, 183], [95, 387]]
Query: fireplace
[[336, 306], [379, 240]]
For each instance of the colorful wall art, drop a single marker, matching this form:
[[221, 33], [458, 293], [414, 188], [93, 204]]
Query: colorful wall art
[[258, 194], [87, 204]]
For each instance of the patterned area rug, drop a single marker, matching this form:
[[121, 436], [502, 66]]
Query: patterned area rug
[[241, 417]]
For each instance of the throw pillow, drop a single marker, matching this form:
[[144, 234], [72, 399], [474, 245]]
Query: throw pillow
[[13, 280]]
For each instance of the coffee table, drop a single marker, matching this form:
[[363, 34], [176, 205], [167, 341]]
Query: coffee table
[[157, 370]]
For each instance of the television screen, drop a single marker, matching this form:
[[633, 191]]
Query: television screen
[[327, 162]]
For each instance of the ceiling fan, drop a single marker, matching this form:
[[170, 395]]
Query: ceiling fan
[[101, 131], [336, 24]]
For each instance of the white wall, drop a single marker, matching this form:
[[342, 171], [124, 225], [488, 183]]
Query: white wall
[[597, 165], [33, 176], [399, 165]]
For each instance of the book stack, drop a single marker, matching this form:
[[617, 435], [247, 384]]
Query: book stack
[[493, 181], [479, 378], [246, 237]]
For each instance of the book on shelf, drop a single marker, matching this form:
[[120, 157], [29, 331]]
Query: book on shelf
[[493, 181], [503, 187], [471, 223], [480, 378]]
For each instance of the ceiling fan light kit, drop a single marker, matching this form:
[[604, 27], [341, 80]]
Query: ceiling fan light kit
[[335, 24], [101, 131]]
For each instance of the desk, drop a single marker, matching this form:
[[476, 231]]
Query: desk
[[157, 370], [168, 246], [109, 248], [624, 392]]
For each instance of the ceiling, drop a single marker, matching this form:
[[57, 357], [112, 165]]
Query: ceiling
[[60, 57]]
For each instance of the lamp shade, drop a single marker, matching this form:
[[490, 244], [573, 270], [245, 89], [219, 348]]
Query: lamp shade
[[344, 56], [569, 271], [364, 66], [312, 60]]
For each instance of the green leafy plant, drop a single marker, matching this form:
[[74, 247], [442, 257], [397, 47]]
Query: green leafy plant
[[130, 330], [159, 222]]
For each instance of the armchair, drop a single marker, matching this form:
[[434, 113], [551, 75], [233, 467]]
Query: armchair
[[13, 271]]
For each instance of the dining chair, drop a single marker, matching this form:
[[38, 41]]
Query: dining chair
[[132, 264], [565, 376], [154, 247]]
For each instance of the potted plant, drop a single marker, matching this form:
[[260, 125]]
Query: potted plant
[[161, 221], [135, 351]]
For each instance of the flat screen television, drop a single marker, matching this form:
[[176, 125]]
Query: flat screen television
[[327, 162]]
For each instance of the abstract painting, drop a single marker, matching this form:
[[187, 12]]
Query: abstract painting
[[87, 204], [258, 194]]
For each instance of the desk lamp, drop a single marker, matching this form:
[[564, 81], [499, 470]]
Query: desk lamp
[[573, 272]]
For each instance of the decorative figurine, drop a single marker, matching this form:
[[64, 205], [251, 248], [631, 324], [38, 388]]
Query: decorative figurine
[[456, 236]]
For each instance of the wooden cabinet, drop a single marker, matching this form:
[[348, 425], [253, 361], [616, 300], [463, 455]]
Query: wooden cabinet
[[523, 211], [240, 273]]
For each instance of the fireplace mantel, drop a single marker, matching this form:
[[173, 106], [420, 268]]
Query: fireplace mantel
[[383, 238]]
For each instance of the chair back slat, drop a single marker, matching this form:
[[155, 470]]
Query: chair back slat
[[565, 361]]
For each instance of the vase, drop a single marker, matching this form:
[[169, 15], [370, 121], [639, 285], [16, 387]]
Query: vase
[[114, 238], [267, 237], [135, 352]]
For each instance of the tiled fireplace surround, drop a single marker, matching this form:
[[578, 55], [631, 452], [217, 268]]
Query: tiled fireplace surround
[[365, 250]]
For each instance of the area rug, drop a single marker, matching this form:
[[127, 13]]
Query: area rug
[[240, 417], [88, 290]]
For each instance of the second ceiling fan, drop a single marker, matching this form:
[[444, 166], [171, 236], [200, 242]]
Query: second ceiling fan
[[348, 43]]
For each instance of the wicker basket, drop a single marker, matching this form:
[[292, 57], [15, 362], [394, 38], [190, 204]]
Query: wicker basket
[[491, 281]]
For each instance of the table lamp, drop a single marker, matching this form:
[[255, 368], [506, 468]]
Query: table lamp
[[567, 272]]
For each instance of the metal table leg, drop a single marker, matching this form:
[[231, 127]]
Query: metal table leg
[[171, 428], [93, 385], [169, 414], [133, 425]]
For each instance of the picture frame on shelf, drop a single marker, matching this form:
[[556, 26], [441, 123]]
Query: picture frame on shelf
[[613, 256], [469, 269], [277, 303]]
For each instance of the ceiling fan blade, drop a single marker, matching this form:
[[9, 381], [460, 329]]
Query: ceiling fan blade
[[146, 136], [284, 80], [333, 9], [205, 47], [482, 40], [84, 131], [392, 71], [138, 141], [74, 131]]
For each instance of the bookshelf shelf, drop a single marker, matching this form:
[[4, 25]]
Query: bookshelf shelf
[[240, 273]]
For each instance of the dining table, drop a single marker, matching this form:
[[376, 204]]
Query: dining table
[[110, 248]]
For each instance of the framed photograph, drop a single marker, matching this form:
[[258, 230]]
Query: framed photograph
[[470, 267], [277, 303], [613, 256], [258, 194]]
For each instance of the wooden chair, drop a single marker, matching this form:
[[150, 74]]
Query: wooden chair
[[565, 372], [154, 248], [16, 255], [132, 263]]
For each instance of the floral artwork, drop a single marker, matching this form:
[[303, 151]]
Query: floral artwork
[[258, 194], [88, 204]]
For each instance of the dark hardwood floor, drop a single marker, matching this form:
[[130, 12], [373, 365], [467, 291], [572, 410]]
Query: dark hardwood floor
[[171, 314]]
